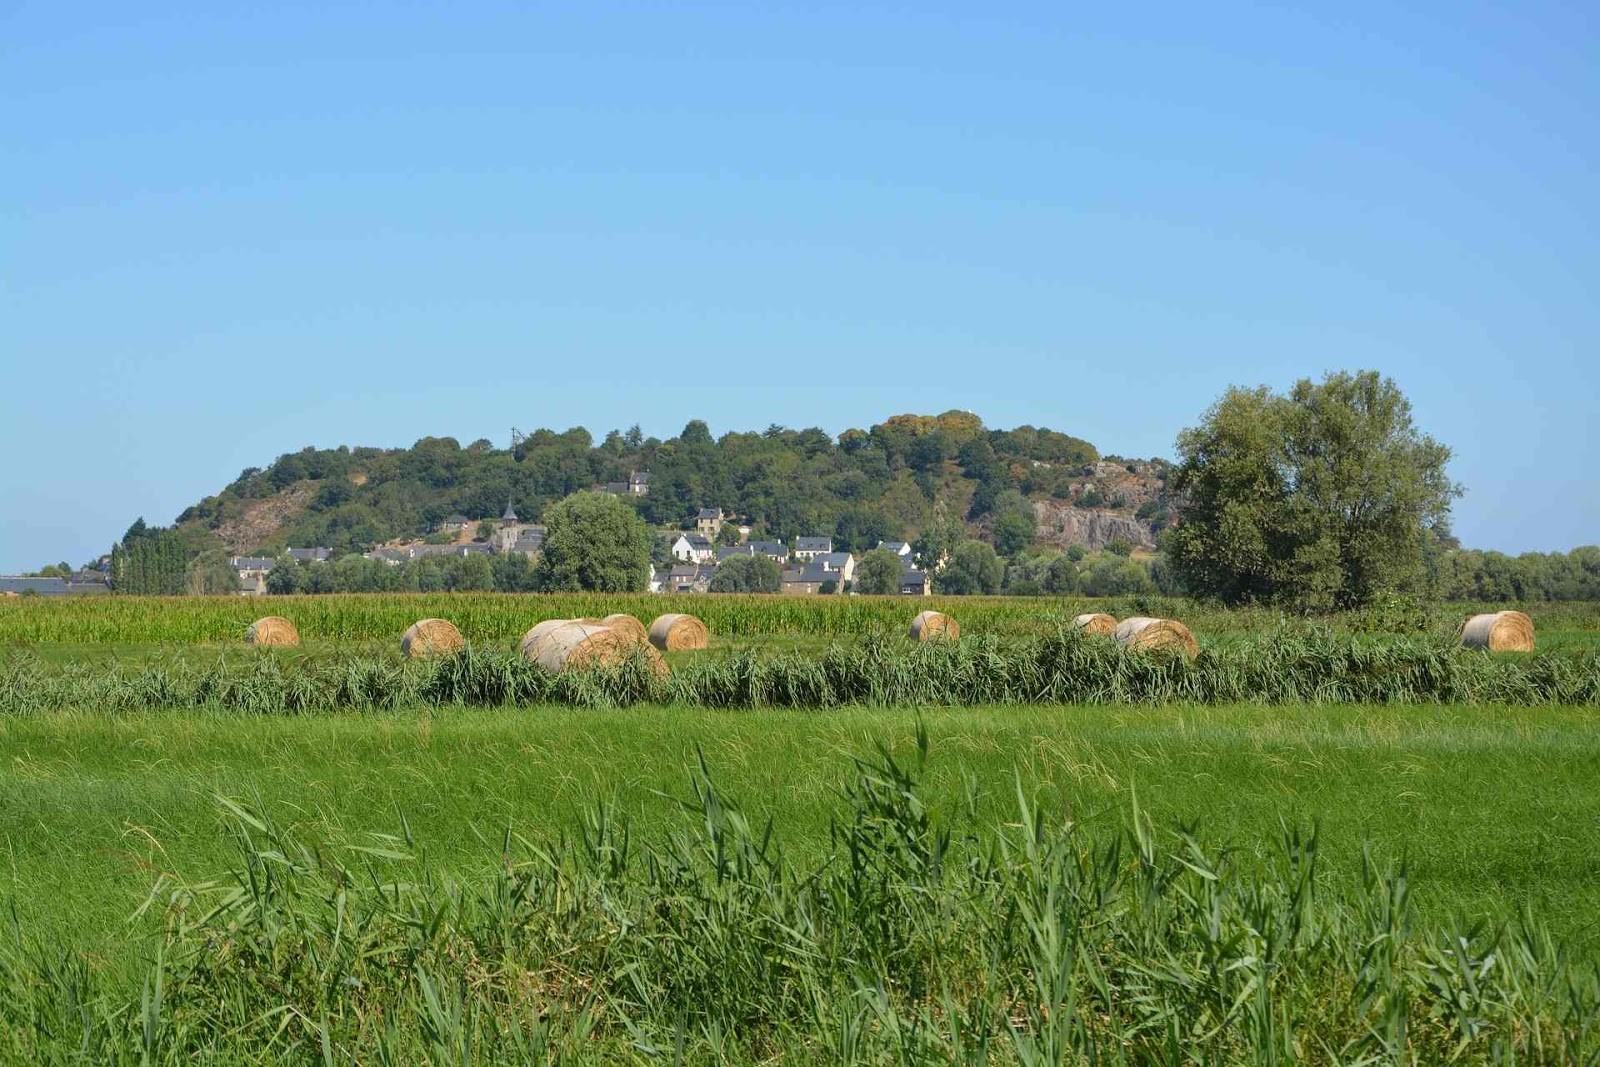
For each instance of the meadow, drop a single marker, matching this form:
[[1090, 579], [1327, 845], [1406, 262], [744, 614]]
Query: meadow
[[1323, 840]]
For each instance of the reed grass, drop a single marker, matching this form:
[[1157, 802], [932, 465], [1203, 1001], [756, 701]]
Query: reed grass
[[1066, 667], [922, 936]]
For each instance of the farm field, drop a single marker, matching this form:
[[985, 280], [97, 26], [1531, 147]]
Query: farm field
[[1495, 807], [174, 803]]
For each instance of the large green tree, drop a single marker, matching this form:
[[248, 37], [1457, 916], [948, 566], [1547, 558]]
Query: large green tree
[[974, 568], [747, 574], [878, 573], [595, 542], [1321, 498]]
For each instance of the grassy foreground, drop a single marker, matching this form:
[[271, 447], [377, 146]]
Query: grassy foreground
[[1495, 807], [440, 885]]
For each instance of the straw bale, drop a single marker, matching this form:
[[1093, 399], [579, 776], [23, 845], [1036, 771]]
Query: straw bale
[[678, 633], [628, 625], [431, 637], [1500, 631], [538, 631], [1156, 635], [1097, 623], [934, 626], [272, 630]]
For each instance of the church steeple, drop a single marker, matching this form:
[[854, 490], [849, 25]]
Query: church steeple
[[511, 513]]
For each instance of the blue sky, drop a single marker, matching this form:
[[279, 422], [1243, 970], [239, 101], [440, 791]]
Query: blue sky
[[231, 231]]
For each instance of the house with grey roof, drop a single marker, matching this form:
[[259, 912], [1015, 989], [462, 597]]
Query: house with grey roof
[[810, 579], [694, 548], [311, 555], [17, 585], [688, 578], [899, 548], [252, 572], [708, 521], [842, 564], [530, 539], [915, 583], [809, 548], [776, 551]]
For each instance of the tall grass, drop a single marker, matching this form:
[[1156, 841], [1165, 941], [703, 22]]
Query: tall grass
[[918, 939], [502, 617], [1062, 668]]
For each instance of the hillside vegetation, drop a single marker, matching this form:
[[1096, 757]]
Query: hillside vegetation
[[861, 487]]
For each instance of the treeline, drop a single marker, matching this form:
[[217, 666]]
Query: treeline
[[432, 574], [863, 487], [1494, 576]]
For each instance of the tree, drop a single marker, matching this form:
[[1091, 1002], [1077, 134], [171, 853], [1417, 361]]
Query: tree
[[593, 541], [940, 537], [1114, 575], [1014, 523], [878, 573], [1320, 498], [211, 574], [974, 568], [747, 574], [284, 578], [728, 535]]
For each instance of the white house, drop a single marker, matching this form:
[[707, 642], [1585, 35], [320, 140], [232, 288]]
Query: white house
[[807, 549], [694, 548]]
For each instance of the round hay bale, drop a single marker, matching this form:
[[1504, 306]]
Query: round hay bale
[[678, 633], [578, 647], [538, 631], [1097, 623], [627, 624], [934, 626], [431, 637], [1500, 631], [1156, 635], [272, 630]]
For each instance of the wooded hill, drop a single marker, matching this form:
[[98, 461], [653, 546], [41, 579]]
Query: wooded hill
[[883, 483]]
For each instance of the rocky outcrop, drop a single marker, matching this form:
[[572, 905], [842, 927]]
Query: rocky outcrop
[[263, 518], [1061, 524]]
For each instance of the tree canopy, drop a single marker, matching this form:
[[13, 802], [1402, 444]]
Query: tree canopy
[[747, 574], [861, 487], [1320, 498], [878, 572], [596, 543]]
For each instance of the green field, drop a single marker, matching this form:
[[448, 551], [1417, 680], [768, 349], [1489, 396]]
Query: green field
[[1492, 808]]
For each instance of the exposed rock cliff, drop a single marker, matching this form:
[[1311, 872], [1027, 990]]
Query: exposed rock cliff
[[1062, 524]]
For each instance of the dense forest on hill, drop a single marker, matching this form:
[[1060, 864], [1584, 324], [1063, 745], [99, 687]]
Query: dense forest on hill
[[941, 478], [863, 486]]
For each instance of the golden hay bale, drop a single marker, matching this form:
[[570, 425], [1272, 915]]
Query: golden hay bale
[[934, 626], [627, 624], [1097, 623], [272, 630], [678, 633], [1158, 635], [578, 647], [431, 637], [1501, 631], [538, 631]]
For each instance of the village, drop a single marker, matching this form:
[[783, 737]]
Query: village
[[810, 567]]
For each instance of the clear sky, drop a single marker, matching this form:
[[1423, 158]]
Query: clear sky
[[228, 231]]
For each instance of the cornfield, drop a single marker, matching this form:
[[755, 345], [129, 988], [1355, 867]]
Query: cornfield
[[502, 617]]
